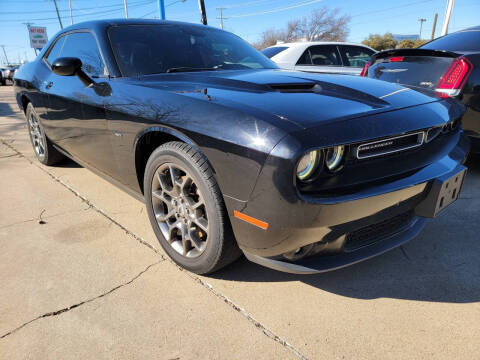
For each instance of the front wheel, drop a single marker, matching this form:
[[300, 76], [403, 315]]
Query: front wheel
[[186, 209], [42, 146]]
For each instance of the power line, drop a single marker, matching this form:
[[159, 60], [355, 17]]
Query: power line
[[391, 8], [89, 14], [304, 3], [66, 10], [247, 3]]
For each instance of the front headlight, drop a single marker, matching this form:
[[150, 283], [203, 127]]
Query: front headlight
[[334, 157], [308, 164]]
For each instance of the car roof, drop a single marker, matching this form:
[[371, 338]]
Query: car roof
[[475, 28], [310, 43], [102, 24]]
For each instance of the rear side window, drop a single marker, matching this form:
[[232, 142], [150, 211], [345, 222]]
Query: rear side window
[[322, 55], [459, 41], [83, 46], [272, 51], [355, 56]]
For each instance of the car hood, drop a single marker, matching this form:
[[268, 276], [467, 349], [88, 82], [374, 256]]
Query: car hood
[[302, 99]]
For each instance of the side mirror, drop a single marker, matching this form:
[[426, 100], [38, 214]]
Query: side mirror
[[66, 66], [70, 66]]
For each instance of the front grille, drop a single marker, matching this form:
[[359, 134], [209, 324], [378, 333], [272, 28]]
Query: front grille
[[390, 145], [373, 233]]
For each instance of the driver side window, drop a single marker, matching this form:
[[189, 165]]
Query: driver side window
[[56, 51], [81, 45]]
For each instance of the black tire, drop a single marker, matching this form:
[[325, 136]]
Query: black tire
[[49, 155], [220, 248]]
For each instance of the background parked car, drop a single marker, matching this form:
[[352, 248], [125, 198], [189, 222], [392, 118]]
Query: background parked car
[[449, 65], [3, 78], [324, 57], [11, 73]]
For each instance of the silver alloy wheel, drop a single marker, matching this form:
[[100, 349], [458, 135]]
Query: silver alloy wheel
[[180, 210], [36, 135]]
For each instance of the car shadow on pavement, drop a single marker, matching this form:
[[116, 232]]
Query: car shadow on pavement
[[440, 265], [68, 164]]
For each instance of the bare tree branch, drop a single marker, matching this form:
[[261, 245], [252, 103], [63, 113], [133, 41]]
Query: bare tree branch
[[321, 25]]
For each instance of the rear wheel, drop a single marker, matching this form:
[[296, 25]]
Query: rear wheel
[[43, 148], [186, 209]]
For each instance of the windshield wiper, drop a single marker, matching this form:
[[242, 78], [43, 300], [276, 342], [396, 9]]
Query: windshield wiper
[[187, 69]]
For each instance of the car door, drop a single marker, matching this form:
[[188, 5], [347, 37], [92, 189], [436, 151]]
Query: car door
[[320, 58], [77, 113], [354, 58]]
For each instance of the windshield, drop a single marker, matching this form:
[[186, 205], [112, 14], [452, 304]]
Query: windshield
[[460, 41], [153, 49]]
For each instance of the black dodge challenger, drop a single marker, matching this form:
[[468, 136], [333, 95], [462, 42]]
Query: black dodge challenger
[[300, 172]]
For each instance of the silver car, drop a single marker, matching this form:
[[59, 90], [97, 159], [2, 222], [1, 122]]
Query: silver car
[[323, 57]]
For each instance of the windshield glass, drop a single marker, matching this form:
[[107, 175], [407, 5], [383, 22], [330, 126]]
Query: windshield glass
[[460, 41], [153, 49]]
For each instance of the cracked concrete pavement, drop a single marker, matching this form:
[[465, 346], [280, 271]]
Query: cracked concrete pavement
[[83, 277]]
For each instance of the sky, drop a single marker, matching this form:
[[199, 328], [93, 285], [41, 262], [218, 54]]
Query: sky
[[246, 18]]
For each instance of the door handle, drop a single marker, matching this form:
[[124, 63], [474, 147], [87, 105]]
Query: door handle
[[49, 85]]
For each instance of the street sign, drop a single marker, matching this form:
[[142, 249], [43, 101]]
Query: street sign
[[38, 36]]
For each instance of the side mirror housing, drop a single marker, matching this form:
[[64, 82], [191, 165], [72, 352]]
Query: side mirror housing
[[71, 66], [67, 66]]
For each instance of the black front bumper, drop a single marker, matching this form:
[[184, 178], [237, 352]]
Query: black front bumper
[[322, 263], [328, 222], [361, 239]]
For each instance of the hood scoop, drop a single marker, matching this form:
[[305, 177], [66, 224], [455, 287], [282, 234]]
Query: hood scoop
[[295, 87]]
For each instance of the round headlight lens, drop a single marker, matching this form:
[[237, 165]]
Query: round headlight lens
[[334, 157], [308, 164]]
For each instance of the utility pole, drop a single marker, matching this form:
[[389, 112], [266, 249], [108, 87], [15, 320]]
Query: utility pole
[[161, 7], [434, 26], [221, 17], [4, 53], [201, 5], [71, 16], [448, 14], [58, 14], [126, 8], [421, 24]]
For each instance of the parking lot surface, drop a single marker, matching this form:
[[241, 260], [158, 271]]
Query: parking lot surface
[[83, 277]]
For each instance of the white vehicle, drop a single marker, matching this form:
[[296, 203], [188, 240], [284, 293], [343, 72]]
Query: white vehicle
[[324, 57]]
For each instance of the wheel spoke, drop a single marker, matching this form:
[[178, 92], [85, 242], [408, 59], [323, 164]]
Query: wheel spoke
[[165, 217], [165, 186], [160, 195], [173, 174], [197, 243], [202, 223]]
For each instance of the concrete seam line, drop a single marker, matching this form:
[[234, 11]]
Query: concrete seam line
[[245, 313], [61, 311], [85, 200], [205, 284]]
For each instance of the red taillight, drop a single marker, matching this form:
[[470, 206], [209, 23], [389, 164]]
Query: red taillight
[[365, 69], [454, 78], [397, 59]]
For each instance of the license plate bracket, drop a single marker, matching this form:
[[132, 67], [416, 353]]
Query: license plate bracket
[[443, 191]]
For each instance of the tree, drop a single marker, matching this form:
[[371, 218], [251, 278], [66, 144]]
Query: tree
[[380, 42], [269, 38], [322, 24], [406, 44], [411, 44], [419, 42]]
